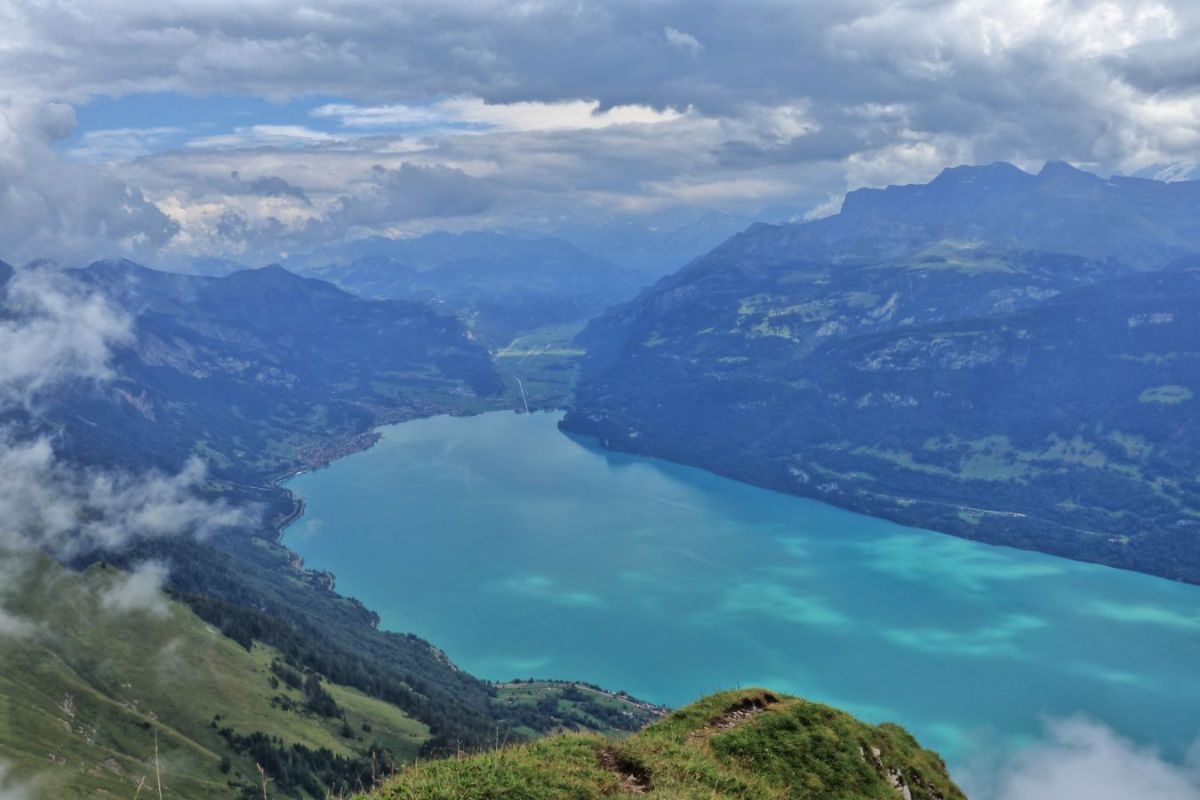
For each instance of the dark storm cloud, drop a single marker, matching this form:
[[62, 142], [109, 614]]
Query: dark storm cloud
[[416, 192], [825, 144], [270, 186], [617, 52], [1161, 67]]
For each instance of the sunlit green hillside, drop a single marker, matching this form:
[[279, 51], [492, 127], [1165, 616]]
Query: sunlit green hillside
[[100, 668]]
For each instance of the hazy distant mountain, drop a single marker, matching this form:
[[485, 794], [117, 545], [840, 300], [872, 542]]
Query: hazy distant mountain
[[991, 354], [499, 285], [658, 245], [213, 266]]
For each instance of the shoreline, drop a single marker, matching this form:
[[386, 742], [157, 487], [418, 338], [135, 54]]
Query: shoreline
[[333, 451], [369, 439], [890, 513]]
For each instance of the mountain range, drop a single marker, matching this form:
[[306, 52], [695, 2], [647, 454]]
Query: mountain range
[[655, 245], [499, 285], [1000, 355]]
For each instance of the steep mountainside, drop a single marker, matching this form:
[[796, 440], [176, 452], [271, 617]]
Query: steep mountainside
[[979, 384], [751, 745], [499, 285], [260, 373], [254, 370], [103, 673]]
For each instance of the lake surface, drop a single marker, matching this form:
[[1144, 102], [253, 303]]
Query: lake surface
[[524, 552]]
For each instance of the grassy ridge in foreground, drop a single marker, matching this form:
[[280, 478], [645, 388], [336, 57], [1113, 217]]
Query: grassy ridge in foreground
[[749, 744]]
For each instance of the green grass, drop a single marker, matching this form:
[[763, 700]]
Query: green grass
[[904, 460], [750, 745], [962, 256], [550, 340], [1166, 395], [85, 692], [1135, 447], [545, 361], [769, 315], [994, 458]]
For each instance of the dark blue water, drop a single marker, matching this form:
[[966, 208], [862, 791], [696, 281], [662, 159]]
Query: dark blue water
[[524, 552]]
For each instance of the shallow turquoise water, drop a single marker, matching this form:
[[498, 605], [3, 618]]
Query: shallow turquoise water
[[525, 552]]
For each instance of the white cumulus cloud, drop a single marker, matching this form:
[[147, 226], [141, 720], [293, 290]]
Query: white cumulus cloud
[[138, 591], [1081, 759], [51, 335], [52, 332]]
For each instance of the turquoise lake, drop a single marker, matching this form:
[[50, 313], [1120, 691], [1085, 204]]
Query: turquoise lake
[[525, 552]]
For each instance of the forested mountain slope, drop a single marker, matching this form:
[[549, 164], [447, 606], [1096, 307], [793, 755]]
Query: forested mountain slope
[[254, 370], [982, 385]]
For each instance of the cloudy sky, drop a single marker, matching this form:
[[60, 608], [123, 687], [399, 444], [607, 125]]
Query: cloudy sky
[[253, 128]]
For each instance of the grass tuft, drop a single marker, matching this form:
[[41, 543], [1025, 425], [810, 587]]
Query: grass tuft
[[748, 745]]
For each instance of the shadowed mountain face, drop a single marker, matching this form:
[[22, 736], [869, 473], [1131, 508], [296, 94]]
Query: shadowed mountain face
[[499, 285], [999, 355], [252, 370]]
